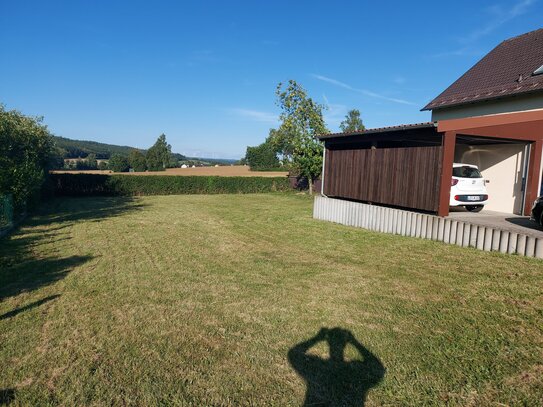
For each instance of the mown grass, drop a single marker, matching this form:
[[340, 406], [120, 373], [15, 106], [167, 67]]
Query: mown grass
[[214, 300]]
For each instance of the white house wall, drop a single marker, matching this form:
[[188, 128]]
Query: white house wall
[[502, 166]]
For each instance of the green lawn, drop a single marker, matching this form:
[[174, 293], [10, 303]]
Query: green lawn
[[222, 300]]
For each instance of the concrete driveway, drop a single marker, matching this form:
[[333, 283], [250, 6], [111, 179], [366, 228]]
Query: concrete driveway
[[499, 220]]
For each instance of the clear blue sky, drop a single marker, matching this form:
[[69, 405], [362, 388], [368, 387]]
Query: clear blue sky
[[204, 73]]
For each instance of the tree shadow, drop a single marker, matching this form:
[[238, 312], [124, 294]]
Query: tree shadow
[[6, 396], [27, 307], [336, 381], [22, 269]]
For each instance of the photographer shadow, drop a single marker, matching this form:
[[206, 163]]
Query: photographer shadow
[[336, 381]]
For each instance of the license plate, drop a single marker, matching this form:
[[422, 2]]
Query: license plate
[[474, 198]]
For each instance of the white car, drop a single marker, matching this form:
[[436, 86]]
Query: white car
[[468, 188]]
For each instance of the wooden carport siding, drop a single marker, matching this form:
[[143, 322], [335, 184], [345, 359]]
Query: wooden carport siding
[[411, 166], [398, 176]]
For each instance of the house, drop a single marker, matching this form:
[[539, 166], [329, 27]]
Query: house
[[492, 116]]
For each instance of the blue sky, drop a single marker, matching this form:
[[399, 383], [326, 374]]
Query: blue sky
[[204, 72]]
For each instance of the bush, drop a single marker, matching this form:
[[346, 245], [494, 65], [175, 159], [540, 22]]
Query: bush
[[127, 185], [25, 155]]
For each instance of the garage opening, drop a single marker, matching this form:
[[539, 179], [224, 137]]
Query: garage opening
[[503, 164]]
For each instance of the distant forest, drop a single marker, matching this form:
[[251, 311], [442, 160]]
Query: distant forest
[[68, 148], [81, 149]]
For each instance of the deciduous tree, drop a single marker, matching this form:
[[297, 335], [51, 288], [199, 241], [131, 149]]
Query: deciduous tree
[[137, 161], [118, 163], [301, 122]]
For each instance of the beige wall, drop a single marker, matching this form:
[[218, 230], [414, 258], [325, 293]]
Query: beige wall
[[506, 105], [502, 165]]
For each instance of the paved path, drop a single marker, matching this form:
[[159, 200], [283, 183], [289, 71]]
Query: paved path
[[499, 220]]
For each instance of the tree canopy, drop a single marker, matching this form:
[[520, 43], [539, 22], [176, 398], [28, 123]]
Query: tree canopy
[[137, 161], [25, 152], [262, 157], [352, 122], [301, 122], [159, 155], [118, 163]]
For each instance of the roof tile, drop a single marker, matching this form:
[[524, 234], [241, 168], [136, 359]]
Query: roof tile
[[505, 71]]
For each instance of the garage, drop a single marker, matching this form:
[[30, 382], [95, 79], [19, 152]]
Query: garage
[[503, 164], [490, 121]]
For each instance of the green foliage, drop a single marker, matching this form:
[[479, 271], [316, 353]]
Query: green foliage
[[91, 161], [262, 157], [159, 155], [123, 185], [118, 163], [69, 148], [102, 165], [6, 211], [301, 123], [25, 154], [352, 122], [137, 161]]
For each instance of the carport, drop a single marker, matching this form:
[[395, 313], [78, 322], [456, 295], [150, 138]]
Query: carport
[[506, 147], [410, 166]]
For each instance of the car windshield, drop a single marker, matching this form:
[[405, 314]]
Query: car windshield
[[466, 172]]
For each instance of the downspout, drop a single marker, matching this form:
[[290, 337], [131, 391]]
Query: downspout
[[525, 177], [323, 165]]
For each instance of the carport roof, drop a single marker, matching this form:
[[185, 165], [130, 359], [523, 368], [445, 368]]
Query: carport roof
[[400, 127], [507, 70]]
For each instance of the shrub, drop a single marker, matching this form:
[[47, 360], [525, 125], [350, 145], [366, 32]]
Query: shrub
[[25, 151], [97, 184]]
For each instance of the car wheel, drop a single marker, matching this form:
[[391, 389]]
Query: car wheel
[[475, 208]]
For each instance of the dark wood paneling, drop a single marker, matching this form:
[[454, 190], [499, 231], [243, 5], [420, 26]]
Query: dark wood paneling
[[405, 176]]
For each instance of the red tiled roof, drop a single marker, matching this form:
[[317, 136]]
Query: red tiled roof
[[505, 71], [380, 130]]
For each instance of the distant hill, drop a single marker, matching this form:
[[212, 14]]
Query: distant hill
[[69, 148]]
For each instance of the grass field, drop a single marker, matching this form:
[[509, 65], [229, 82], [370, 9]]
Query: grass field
[[246, 300], [222, 171]]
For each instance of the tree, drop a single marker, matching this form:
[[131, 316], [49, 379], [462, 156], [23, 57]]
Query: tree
[[91, 161], [352, 122], [118, 163], [159, 155], [301, 123], [25, 154], [262, 157], [137, 161], [102, 165]]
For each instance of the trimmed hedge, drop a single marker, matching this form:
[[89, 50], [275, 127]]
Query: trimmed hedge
[[127, 185]]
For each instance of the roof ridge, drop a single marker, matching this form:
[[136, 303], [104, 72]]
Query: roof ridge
[[504, 71], [523, 35]]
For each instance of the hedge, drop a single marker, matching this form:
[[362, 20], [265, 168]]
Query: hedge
[[127, 185]]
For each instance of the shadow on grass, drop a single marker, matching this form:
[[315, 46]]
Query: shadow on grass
[[6, 396], [336, 381], [27, 307], [22, 270]]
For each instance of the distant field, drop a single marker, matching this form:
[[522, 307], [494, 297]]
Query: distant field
[[224, 171]]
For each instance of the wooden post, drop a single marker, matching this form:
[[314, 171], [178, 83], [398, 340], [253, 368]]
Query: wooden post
[[534, 168], [449, 142]]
